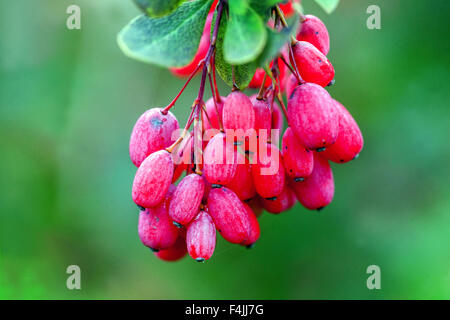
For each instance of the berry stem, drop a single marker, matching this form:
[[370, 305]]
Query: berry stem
[[299, 79], [283, 107], [216, 100], [213, 67], [261, 88], [170, 105]]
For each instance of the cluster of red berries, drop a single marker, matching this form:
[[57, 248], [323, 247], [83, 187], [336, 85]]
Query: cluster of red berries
[[233, 167]]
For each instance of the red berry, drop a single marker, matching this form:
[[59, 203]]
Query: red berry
[[238, 112], [201, 237], [219, 160], [253, 229], [312, 64], [153, 179], [229, 214], [256, 204], [313, 30], [155, 228], [258, 78], [268, 171], [242, 182], [212, 114], [186, 199], [152, 132], [298, 161], [277, 117], [263, 115], [287, 8], [175, 252], [313, 116], [349, 142], [283, 202], [203, 47], [290, 84], [317, 190]]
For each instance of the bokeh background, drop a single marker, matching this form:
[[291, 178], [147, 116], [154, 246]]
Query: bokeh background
[[69, 99]]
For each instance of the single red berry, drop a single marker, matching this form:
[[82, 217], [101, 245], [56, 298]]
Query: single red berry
[[349, 142], [156, 229], [263, 115], [312, 64], [186, 199], [152, 179], [203, 47], [298, 161], [152, 132], [283, 202], [201, 237], [219, 160], [313, 116], [242, 182], [229, 214], [288, 8], [211, 114], [238, 112], [268, 171], [313, 30], [256, 204], [177, 251], [317, 190], [254, 231]]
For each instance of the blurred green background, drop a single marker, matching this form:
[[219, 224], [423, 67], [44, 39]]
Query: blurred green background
[[69, 99]]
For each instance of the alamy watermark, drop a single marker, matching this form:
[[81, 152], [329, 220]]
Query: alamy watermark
[[73, 281], [74, 19], [374, 280], [374, 20]]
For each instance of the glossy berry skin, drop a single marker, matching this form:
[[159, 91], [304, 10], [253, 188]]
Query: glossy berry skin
[[152, 132], [152, 179], [201, 237], [229, 214], [254, 231], [349, 142], [186, 200], [312, 64], [219, 160], [283, 202], [212, 114], [242, 182], [263, 115], [268, 172], [155, 228], [174, 253], [317, 190], [313, 30], [238, 112], [298, 161], [203, 47], [313, 116]]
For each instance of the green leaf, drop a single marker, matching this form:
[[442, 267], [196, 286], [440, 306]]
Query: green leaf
[[245, 37], [170, 41], [158, 8], [262, 7], [238, 6], [243, 73], [328, 5], [276, 41]]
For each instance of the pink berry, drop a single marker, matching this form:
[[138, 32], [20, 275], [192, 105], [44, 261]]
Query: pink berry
[[254, 231], [313, 116], [298, 161], [277, 117], [290, 84], [263, 115], [201, 237], [155, 228], [152, 132], [268, 172], [317, 190], [186, 199], [238, 112], [312, 64], [349, 142], [256, 204], [153, 179], [313, 30], [229, 214], [212, 114], [242, 182], [177, 251], [283, 202], [219, 160]]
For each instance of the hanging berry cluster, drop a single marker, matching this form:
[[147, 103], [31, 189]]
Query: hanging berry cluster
[[221, 174]]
